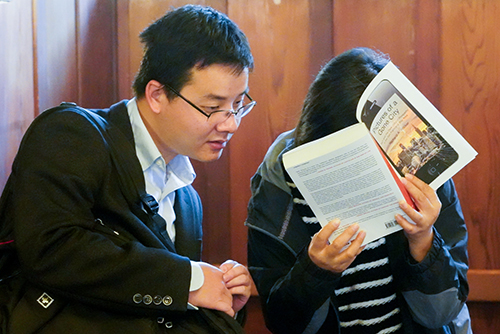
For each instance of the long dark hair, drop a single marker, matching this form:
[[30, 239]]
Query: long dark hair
[[330, 104]]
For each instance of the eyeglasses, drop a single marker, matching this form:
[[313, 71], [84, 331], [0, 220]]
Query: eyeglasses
[[220, 116]]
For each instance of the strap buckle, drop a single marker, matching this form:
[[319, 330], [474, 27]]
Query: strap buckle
[[149, 204]]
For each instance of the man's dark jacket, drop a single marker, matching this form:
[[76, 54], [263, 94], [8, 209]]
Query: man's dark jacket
[[85, 250]]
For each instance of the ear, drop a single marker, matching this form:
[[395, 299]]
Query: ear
[[155, 95]]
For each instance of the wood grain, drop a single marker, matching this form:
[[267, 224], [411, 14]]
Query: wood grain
[[283, 38], [470, 76], [88, 51], [17, 98]]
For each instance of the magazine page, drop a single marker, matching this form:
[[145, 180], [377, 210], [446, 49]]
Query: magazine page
[[344, 175], [415, 136]]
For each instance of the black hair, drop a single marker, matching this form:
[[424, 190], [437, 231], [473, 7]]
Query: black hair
[[186, 37], [330, 104]]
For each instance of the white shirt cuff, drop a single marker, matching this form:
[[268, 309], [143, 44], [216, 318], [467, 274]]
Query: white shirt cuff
[[197, 277]]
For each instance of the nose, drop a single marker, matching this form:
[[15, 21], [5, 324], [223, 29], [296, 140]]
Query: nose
[[230, 125]]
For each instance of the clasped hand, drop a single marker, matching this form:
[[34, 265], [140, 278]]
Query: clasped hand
[[226, 288], [338, 255]]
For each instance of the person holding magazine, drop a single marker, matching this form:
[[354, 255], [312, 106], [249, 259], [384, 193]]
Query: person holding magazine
[[410, 281]]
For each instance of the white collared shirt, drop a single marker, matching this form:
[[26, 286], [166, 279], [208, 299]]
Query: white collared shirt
[[162, 180]]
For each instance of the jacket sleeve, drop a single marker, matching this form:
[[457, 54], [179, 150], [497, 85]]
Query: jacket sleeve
[[436, 288], [294, 292], [64, 182]]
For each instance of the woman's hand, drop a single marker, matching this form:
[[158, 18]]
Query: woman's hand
[[333, 256], [420, 235]]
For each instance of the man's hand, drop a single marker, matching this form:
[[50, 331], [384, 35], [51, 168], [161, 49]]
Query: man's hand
[[420, 235], [213, 294], [238, 281], [333, 256]]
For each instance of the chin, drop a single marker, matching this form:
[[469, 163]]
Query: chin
[[213, 156]]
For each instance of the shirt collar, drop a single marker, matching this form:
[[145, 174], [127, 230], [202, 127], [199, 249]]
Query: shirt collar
[[148, 153]]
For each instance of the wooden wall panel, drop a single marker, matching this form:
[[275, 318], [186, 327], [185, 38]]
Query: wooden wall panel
[[407, 30], [76, 52], [290, 41], [96, 53], [16, 79], [88, 51], [470, 100], [56, 52], [471, 82]]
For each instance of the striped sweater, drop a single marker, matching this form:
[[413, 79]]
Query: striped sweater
[[366, 293]]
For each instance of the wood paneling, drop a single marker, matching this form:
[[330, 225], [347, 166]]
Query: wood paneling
[[470, 86], [289, 47], [96, 53], [407, 30], [16, 79], [76, 52], [56, 42], [484, 285], [88, 51], [470, 100]]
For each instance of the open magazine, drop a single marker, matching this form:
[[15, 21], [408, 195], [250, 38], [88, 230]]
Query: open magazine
[[353, 174]]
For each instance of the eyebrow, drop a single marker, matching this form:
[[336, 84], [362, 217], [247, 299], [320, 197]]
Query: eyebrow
[[222, 98]]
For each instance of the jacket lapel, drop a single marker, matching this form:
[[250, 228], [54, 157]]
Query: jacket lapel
[[188, 236]]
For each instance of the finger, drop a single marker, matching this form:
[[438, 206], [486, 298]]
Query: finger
[[405, 224], [224, 308], [227, 265], [240, 291], [344, 238], [413, 214], [421, 192], [355, 247], [225, 304], [237, 270], [320, 239], [238, 280], [415, 181]]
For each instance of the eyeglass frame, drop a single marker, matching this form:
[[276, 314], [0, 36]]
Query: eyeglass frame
[[252, 103]]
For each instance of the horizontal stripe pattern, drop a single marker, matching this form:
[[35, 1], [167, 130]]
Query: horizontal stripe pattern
[[369, 322], [366, 296]]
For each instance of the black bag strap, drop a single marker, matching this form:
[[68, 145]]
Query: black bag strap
[[123, 155]]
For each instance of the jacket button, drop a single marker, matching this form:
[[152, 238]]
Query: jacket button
[[147, 299], [157, 300], [169, 324], [167, 300], [137, 298]]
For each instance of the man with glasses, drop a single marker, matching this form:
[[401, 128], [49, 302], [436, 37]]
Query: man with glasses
[[99, 268]]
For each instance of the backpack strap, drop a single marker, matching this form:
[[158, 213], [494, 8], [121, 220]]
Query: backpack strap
[[123, 155]]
